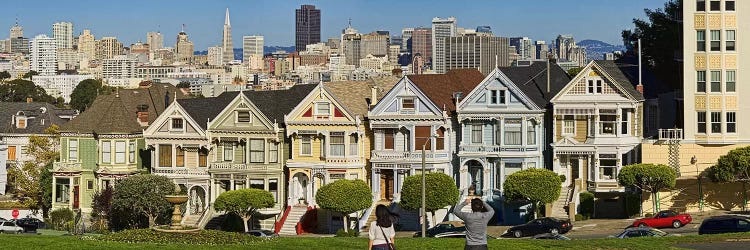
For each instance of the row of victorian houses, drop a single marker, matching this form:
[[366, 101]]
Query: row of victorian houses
[[476, 128]]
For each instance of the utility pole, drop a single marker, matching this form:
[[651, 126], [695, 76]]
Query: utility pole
[[424, 203]]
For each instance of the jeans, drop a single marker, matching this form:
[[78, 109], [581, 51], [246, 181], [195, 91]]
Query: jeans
[[475, 247], [380, 247]]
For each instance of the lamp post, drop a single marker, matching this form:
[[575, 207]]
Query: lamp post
[[694, 161], [424, 187]]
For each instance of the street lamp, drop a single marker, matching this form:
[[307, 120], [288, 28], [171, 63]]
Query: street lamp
[[694, 161], [424, 185]]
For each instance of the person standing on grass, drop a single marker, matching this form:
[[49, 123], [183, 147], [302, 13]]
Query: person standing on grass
[[382, 229], [476, 222]]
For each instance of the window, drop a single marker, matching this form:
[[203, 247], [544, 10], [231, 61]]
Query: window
[[120, 152], [89, 184], [497, 96], [701, 122], [323, 108], [715, 122], [21, 123], [715, 81], [716, 40], [72, 150], [569, 125], [257, 150], [131, 152], [422, 137], [512, 132], [305, 145], [273, 152], [165, 155], [729, 5], [498, 133], [511, 167], [625, 121], [202, 157], [607, 124], [12, 153], [701, 78], [440, 140], [353, 149], [407, 103], [476, 133], [62, 190], [530, 132], [177, 124], [243, 117], [595, 86], [701, 5], [701, 40], [731, 81], [715, 5], [337, 144], [273, 187], [388, 141], [106, 151], [730, 40], [258, 184], [180, 161], [335, 177], [608, 167], [228, 151], [731, 122]]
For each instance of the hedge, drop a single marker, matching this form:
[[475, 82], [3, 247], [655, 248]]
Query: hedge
[[205, 237]]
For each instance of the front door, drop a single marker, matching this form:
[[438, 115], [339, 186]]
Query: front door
[[476, 177], [386, 184], [575, 172], [76, 200]]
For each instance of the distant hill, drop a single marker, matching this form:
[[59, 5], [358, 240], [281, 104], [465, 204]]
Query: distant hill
[[595, 49], [266, 50]]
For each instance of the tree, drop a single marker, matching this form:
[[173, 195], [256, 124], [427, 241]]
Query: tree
[[4, 75], [440, 192], [29, 74], [660, 38], [101, 204], [651, 178], [183, 85], [574, 71], [18, 90], [31, 179], [345, 196], [244, 203], [732, 167], [144, 195], [538, 186], [85, 93]]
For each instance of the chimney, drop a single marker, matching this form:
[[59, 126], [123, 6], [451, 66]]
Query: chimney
[[548, 73], [640, 73], [639, 87], [373, 96], [142, 114], [29, 100]]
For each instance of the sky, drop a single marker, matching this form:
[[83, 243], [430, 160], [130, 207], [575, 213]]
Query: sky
[[130, 20]]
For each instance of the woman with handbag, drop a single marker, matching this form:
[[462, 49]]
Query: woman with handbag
[[382, 229]]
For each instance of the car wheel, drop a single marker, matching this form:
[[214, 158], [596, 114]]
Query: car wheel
[[642, 225], [517, 234], [18, 232], [554, 231], [676, 224]]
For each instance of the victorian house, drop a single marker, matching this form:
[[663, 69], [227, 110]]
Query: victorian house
[[597, 129], [105, 143], [233, 141], [503, 122]]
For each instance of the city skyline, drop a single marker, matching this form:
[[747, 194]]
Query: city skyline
[[204, 24]]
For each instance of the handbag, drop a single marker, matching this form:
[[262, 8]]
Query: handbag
[[390, 246]]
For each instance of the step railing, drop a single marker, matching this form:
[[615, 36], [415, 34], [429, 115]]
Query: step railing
[[363, 220], [206, 216], [279, 224]]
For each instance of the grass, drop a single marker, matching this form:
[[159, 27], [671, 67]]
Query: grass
[[70, 242]]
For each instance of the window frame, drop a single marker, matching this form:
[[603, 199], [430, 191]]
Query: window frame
[[730, 39], [337, 139], [177, 121], [715, 83], [273, 152], [179, 157], [727, 6], [165, 162], [227, 147], [700, 5], [389, 139], [730, 81], [498, 97], [72, 151], [625, 126], [713, 7], [353, 144], [256, 153], [702, 122], [731, 122], [700, 40], [716, 123], [476, 133], [131, 152], [305, 139], [317, 109], [106, 150], [566, 126], [122, 153], [240, 119], [700, 78], [715, 41], [404, 103], [513, 132], [611, 120]]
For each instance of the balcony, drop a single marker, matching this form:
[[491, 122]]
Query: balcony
[[605, 186], [228, 166], [387, 155], [67, 167], [347, 160], [670, 134], [181, 171], [495, 149]]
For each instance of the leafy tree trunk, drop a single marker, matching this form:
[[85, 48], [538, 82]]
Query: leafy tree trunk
[[151, 220], [346, 224], [655, 199], [535, 208], [246, 218]]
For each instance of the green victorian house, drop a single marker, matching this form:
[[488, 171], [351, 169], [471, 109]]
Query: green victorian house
[[105, 143]]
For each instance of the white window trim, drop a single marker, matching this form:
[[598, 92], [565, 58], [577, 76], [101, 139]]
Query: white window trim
[[132, 146], [124, 152], [78, 150], [498, 103], [564, 128], [414, 102], [301, 139], [171, 124], [101, 155], [224, 152], [317, 112]]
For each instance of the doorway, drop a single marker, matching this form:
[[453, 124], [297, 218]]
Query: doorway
[[386, 184]]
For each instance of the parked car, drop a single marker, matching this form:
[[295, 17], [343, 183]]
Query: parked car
[[549, 236], [443, 227], [30, 224], [10, 227], [263, 233], [635, 232], [725, 224], [540, 226], [667, 218]]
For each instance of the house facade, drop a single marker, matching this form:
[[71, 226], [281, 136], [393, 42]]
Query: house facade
[[597, 129]]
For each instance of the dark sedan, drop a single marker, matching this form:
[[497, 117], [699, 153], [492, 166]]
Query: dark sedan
[[443, 227], [540, 226], [30, 224]]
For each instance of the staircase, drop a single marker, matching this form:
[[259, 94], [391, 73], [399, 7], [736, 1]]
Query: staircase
[[372, 216], [191, 220], [558, 208], [290, 224]]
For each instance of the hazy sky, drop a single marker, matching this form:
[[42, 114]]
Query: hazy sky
[[130, 20]]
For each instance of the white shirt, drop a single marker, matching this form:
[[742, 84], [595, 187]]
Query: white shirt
[[377, 236]]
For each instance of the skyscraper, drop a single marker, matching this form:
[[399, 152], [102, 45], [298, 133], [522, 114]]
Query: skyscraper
[[63, 34], [406, 34], [252, 46], [108, 47], [524, 47], [421, 43], [442, 28], [541, 50], [87, 44], [16, 31], [563, 44], [483, 52], [155, 41], [226, 40], [307, 26], [184, 48], [43, 55]]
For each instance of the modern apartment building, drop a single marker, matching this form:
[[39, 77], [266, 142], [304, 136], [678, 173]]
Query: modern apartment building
[[442, 28], [252, 46], [307, 26], [63, 34], [43, 55], [108, 47]]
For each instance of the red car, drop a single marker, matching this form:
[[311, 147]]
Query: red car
[[667, 218]]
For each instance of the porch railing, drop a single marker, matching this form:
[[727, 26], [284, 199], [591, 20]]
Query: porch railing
[[496, 148], [66, 166], [396, 155], [181, 171], [240, 166]]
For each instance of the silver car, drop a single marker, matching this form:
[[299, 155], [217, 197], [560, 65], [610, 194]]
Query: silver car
[[10, 227]]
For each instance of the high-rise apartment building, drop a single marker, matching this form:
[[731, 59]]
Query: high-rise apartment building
[[541, 50], [155, 41], [185, 49], [215, 56], [524, 47], [442, 28], [421, 43], [406, 34], [43, 58], [563, 44], [252, 46], [19, 45], [108, 47], [87, 44], [120, 66], [482, 52], [307, 26], [63, 34], [226, 40]]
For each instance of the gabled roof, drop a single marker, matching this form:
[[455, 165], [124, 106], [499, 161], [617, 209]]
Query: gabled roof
[[35, 113], [441, 87], [203, 109], [117, 112], [354, 95], [620, 77], [532, 80]]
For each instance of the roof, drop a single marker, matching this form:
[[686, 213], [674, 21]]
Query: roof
[[204, 109], [117, 112], [441, 87], [354, 95], [623, 76], [532, 80], [40, 116]]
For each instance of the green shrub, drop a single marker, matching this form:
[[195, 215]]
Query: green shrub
[[587, 204], [343, 233], [579, 217], [8, 205], [205, 237], [563, 178], [59, 218], [632, 204]]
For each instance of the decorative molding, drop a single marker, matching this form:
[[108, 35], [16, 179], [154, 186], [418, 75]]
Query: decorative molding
[[700, 61], [700, 21], [700, 102], [731, 102], [714, 62], [730, 61], [714, 21], [715, 102], [730, 21]]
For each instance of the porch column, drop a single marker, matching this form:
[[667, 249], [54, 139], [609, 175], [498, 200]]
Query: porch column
[[501, 166], [155, 161], [54, 188], [596, 121], [247, 151], [231, 182], [174, 155], [212, 184], [375, 184], [618, 121], [247, 181]]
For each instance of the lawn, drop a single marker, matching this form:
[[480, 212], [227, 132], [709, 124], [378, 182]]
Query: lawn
[[69, 242]]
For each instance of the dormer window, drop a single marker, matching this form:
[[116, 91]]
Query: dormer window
[[322, 108], [21, 122], [407, 103], [497, 96], [243, 117], [178, 124]]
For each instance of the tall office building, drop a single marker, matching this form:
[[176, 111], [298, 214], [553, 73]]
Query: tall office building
[[108, 47], [482, 52], [63, 34], [421, 43], [563, 44], [442, 28], [19, 45], [87, 44], [43, 55], [541, 50], [406, 34], [524, 47], [215, 56], [155, 41], [226, 40], [16, 30], [252, 46], [307, 26], [185, 49]]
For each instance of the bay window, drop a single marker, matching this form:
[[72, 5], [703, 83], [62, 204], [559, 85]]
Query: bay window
[[257, 150], [608, 167], [273, 152], [512, 132], [337, 144], [353, 149], [607, 121], [120, 152], [305, 145], [530, 132], [165, 155], [106, 151], [476, 133], [422, 137], [131, 152]]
